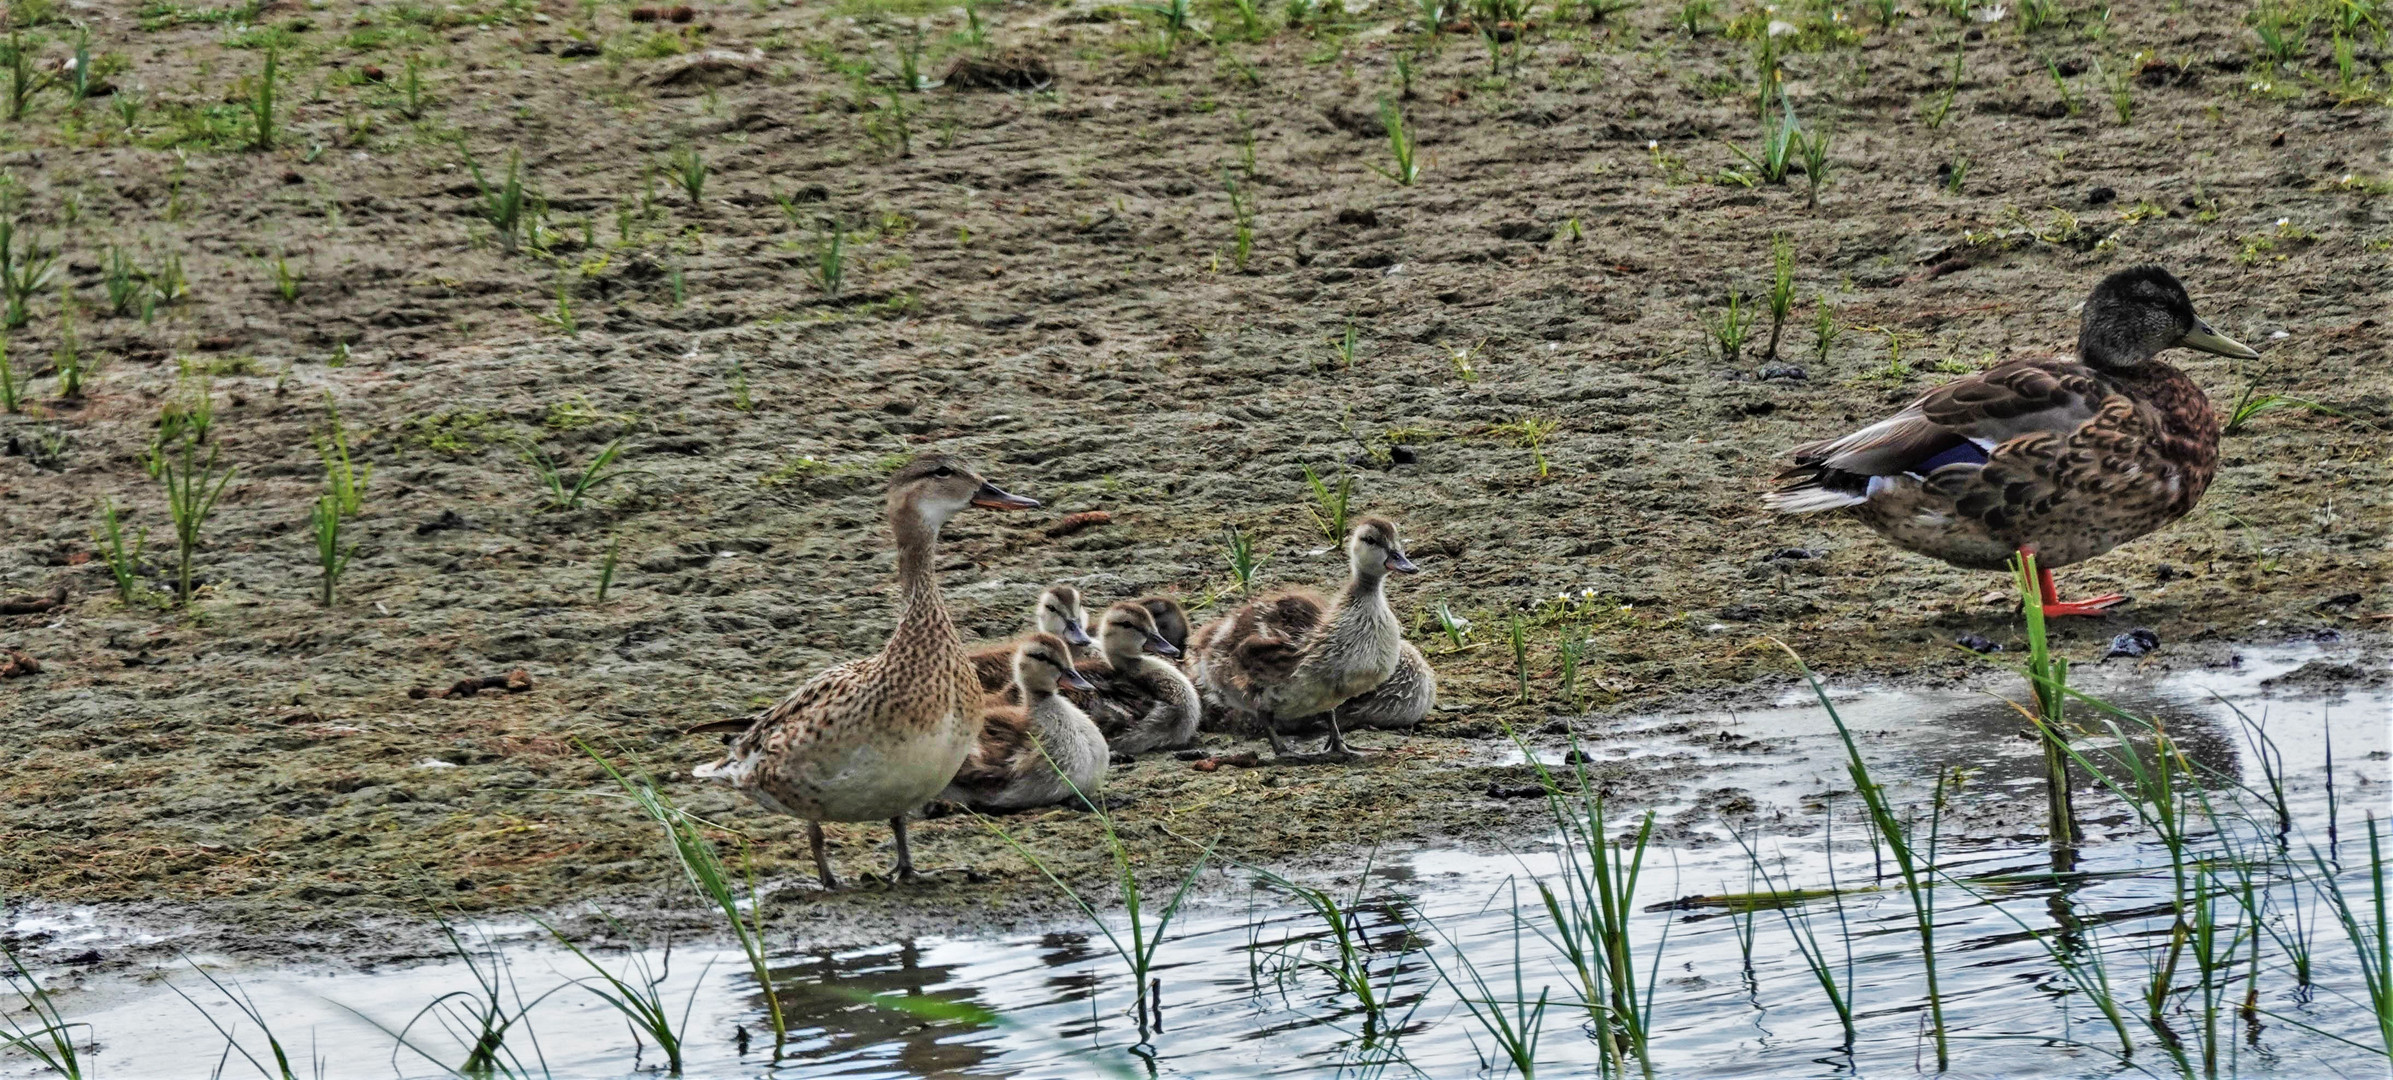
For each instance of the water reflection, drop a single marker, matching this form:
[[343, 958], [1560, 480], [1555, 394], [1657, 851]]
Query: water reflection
[[1245, 991]]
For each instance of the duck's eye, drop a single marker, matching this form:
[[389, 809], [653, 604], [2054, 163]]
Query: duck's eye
[[943, 472]]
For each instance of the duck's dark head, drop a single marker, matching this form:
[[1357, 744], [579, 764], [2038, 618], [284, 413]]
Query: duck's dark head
[[2138, 313]]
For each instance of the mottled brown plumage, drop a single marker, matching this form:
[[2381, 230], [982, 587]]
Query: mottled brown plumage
[[874, 738], [2067, 459], [1039, 752], [1281, 659], [1057, 612]]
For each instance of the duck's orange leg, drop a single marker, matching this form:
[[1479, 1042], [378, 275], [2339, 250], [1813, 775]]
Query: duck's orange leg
[[2055, 607]]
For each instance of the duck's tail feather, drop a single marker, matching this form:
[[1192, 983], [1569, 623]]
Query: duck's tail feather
[[1810, 487], [723, 768], [1812, 500], [738, 723]]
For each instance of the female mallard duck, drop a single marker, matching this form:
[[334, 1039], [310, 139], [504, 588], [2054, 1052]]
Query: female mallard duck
[[1040, 752], [2063, 460], [872, 739], [1279, 660], [1141, 703], [1058, 613]]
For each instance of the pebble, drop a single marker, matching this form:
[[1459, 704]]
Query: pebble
[[2133, 643]]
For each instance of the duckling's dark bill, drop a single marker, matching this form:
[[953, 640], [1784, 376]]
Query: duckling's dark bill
[[1400, 564], [992, 497]]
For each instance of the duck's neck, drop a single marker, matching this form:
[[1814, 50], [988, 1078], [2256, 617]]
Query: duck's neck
[[921, 616], [1363, 594]]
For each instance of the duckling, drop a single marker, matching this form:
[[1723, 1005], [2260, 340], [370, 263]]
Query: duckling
[[1027, 752], [2060, 459], [874, 738], [1283, 658], [1058, 613], [1171, 620], [1141, 703]]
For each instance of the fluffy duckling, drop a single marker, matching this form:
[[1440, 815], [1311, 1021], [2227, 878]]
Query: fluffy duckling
[[1284, 658], [1028, 751], [874, 738], [1058, 613], [1140, 702], [2062, 459]]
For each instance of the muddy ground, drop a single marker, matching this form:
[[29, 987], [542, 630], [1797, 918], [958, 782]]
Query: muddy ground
[[1047, 281]]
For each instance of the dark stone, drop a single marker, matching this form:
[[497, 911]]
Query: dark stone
[[1783, 373], [1403, 455], [2341, 602], [448, 519], [2133, 643], [2100, 196], [1977, 643], [1793, 555], [1524, 791]]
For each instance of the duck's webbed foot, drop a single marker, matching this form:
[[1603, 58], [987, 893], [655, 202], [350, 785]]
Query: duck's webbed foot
[[1271, 730], [1335, 746], [2099, 605], [2055, 607]]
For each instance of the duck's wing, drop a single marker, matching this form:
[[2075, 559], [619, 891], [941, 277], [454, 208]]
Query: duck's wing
[[1960, 423], [1262, 642], [994, 666], [805, 702], [2099, 459], [1117, 701], [786, 719], [1005, 743]]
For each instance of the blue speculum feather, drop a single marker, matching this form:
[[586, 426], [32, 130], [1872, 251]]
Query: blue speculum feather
[[1960, 453]]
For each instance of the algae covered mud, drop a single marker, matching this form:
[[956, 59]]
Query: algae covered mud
[[1777, 941], [545, 363]]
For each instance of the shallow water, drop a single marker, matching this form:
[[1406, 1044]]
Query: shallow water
[[1235, 1002]]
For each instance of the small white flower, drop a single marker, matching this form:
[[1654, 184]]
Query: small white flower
[[2282, 222], [1653, 144]]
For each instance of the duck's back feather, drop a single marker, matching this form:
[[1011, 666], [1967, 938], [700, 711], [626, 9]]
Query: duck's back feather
[[993, 665], [1005, 744], [1959, 423]]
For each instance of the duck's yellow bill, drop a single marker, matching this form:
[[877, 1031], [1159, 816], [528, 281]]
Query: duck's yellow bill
[[2211, 341]]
